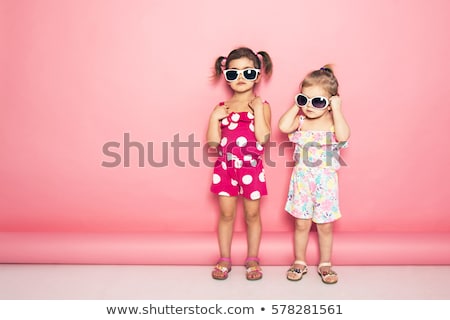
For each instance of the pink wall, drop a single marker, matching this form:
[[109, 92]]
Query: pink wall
[[79, 74]]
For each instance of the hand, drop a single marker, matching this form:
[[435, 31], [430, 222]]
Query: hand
[[220, 112], [256, 104], [335, 103]]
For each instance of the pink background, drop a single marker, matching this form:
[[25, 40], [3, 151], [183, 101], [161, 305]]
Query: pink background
[[79, 74]]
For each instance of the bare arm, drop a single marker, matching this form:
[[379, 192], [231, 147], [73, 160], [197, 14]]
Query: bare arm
[[341, 127], [214, 133], [289, 120], [263, 116]]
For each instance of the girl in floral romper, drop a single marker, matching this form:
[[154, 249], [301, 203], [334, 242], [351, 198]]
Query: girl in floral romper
[[239, 128], [319, 132]]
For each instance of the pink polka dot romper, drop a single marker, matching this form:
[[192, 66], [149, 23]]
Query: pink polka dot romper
[[239, 168]]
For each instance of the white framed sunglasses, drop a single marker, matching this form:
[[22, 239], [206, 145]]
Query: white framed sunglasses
[[317, 102], [248, 74]]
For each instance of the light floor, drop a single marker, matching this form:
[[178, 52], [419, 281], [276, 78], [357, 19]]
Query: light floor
[[143, 282]]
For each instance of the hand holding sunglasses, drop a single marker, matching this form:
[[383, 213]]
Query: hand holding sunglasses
[[248, 74], [335, 103]]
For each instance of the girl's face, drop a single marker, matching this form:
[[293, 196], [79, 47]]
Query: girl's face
[[241, 84], [311, 92]]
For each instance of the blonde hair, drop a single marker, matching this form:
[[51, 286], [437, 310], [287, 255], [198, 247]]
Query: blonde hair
[[323, 77]]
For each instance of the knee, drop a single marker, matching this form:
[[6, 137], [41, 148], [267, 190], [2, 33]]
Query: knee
[[252, 216], [325, 228], [302, 225], [226, 216]]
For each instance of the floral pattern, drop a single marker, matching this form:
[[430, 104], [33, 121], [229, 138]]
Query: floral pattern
[[313, 188]]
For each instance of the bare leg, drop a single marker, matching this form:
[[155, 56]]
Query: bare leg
[[301, 237], [253, 222], [225, 230], [226, 224], [325, 234]]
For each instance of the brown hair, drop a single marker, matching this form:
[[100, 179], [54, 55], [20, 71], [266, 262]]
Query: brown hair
[[238, 53], [323, 77]]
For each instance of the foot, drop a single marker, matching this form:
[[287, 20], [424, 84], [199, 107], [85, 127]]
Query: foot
[[221, 269], [327, 275], [253, 270], [297, 270]]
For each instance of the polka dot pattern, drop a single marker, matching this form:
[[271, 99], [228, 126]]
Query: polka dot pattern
[[262, 177], [233, 126], [239, 167], [235, 117], [224, 141], [216, 178], [255, 195], [247, 179], [241, 141]]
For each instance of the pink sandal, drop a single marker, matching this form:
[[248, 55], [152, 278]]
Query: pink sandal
[[222, 269], [253, 272]]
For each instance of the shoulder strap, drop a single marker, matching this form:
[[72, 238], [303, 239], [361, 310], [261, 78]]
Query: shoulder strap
[[301, 119]]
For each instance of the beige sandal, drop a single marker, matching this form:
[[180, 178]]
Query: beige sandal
[[296, 274], [326, 275]]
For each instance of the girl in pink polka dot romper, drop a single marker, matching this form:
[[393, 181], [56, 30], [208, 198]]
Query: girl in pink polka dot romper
[[318, 131], [239, 128]]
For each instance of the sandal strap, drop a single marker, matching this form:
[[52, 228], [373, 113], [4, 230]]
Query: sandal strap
[[301, 262], [254, 269], [324, 264], [328, 273], [222, 269], [256, 259], [298, 270]]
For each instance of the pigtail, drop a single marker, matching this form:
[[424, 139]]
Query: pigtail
[[218, 67], [266, 62]]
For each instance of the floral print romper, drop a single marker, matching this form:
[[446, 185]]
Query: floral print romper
[[313, 188]]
